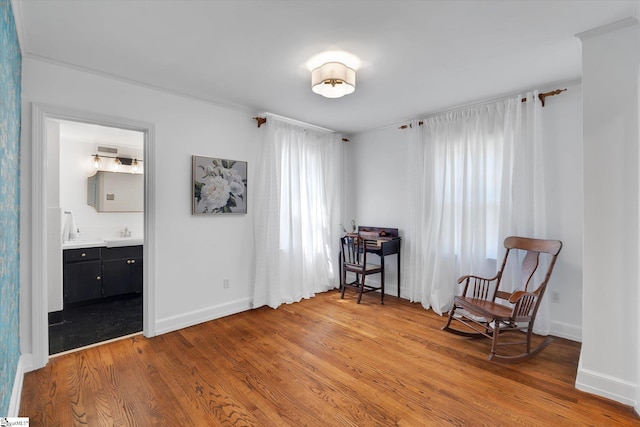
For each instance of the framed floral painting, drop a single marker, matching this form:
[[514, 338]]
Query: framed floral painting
[[219, 186]]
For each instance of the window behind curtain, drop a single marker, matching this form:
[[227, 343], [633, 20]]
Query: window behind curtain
[[298, 211]]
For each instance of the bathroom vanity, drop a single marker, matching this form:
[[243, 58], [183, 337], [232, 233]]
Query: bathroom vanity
[[101, 270]]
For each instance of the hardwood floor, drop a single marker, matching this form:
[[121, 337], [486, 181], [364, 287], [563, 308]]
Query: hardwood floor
[[320, 362]]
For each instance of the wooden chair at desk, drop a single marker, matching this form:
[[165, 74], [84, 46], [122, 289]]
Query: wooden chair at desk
[[353, 259], [386, 242]]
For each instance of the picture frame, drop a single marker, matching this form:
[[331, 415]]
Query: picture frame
[[219, 186]]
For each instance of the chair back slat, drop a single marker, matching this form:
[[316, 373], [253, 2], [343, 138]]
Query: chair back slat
[[481, 288], [349, 253], [525, 307], [529, 267]]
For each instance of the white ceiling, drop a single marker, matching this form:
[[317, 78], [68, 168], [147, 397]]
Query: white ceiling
[[416, 57]]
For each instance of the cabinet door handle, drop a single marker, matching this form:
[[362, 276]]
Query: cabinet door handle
[[128, 261], [98, 278], [133, 261], [83, 255]]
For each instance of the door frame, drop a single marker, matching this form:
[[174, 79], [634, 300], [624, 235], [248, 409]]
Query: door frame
[[39, 232]]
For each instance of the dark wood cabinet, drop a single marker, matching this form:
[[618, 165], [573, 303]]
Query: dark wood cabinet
[[94, 273], [122, 270], [82, 275]]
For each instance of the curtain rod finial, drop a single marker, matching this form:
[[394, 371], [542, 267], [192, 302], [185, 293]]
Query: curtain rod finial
[[260, 120]]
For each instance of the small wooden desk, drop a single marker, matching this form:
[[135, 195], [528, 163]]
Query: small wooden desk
[[389, 243]]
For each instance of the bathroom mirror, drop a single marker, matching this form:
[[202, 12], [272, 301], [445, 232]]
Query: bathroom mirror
[[116, 192]]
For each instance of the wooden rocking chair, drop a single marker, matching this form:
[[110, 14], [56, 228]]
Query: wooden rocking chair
[[482, 316]]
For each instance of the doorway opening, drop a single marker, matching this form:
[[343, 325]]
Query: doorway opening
[[96, 276], [43, 241]]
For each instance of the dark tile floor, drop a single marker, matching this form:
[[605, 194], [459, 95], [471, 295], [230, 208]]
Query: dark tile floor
[[96, 322]]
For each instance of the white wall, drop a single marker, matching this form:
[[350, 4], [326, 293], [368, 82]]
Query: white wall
[[378, 177], [562, 135], [377, 191], [610, 348], [193, 253]]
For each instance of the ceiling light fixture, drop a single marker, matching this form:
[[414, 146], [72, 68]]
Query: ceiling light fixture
[[333, 80]]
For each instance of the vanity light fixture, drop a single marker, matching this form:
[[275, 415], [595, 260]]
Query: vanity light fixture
[[133, 165], [333, 80]]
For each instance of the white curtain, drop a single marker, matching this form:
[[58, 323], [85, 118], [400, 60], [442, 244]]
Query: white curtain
[[298, 187], [479, 178]]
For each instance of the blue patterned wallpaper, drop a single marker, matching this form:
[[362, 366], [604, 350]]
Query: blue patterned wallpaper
[[10, 85]]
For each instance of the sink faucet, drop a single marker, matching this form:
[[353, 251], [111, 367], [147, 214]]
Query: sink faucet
[[126, 232]]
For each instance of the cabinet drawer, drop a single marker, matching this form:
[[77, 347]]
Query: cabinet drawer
[[122, 252], [85, 254]]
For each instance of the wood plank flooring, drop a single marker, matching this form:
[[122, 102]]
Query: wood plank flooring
[[320, 362]]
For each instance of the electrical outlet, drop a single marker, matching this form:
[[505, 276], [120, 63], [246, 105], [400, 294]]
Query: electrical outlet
[[555, 296], [225, 283]]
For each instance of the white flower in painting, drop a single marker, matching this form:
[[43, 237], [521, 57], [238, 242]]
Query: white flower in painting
[[235, 181], [211, 170], [237, 189], [214, 194]]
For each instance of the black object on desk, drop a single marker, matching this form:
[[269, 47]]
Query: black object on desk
[[388, 243]]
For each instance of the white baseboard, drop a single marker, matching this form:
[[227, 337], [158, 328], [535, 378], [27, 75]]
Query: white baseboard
[[606, 386], [566, 330], [185, 320], [24, 366]]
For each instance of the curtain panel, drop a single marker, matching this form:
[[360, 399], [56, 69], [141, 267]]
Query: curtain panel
[[297, 213], [479, 178]]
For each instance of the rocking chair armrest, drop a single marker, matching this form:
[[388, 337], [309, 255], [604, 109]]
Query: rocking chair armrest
[[471, 276], [517, 295], [468, 278]]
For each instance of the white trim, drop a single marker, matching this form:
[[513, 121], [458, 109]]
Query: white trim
[[39, 308], [614, 26], [24, 363], [195, 317], [18, 18], [566, 330], [606, 386], [118, 78], [39, 290], [149, 247]]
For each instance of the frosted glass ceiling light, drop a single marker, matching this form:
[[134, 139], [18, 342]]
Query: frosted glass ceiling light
[[333, 80]]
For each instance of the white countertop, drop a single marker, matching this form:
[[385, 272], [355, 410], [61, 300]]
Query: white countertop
[[114, 242]]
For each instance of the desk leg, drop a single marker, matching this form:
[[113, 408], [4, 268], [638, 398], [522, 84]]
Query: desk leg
[[383, 272], [398, 255]]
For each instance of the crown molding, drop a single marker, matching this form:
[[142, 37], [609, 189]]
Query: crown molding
[[604, 29]]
